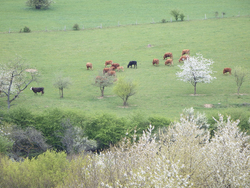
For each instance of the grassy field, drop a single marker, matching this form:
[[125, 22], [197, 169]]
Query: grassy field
[[226, 41]]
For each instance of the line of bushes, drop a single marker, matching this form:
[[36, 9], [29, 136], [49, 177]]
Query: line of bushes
[[67, 130]]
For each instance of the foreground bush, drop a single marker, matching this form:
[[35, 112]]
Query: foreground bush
[[185, 156], [46, 171]]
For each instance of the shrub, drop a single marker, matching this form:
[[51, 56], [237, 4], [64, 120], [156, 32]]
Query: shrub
[[76, 27], [182, 16], [26, 29], [163, 21], [47, 170], [106, 129], [38, 4], [175, 13]]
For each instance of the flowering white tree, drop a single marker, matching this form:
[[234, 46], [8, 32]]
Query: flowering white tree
[[195, 70], [14, 79]]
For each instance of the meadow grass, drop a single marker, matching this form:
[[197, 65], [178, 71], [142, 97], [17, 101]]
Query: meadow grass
[[90, 14], [226, 41]]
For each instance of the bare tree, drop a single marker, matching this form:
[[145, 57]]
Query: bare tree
[[14, 78], [61, 82], [240, 75], [125, 89], [102, 81]]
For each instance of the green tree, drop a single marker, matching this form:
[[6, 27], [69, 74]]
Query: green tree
[[38, 4], [125, 89], [240, 75], [61, 82], [175, 13]]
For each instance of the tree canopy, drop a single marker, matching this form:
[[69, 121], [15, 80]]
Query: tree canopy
[[195, 70]]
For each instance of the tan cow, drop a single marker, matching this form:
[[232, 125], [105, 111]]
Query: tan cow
[[109, 62], [186, 51], [225, 70], [168, 54], [169, 62], [120, 68], [105, 70], [184, 57], [155, 62], [111, 73], [89, 66]]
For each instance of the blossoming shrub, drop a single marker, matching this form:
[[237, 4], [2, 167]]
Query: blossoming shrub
[[184, 156]]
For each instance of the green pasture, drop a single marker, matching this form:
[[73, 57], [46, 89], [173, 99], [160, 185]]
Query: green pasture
[[226, 41], [15, 14]]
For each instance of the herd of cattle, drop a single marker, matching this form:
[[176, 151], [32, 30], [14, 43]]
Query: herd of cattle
[[115, 66]]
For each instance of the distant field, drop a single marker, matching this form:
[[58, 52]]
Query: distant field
[[226, 41], [15, 14]]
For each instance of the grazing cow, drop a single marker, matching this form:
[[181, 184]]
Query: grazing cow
[[168, 54], [132, 63], [155, 62], [89, 66], [169, 62], [105, 70], [225, 70], [186, 51], [184, 57], [111, 73], [120, 68], [109, 62], [115, 65], [37, 90]]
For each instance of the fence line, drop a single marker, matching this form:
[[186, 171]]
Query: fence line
[[136, 23]]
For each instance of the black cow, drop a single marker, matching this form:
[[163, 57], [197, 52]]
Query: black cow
[[132, 63], [37, 89]]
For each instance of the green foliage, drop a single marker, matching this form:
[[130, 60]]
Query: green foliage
[[182, 16], [5, 144], [163, 21], [47, 170], [20, 116], [159, 121], [38, 4], [61, 82], [102, 81], [26, 29], [175, 13], [106, 129], [235, 113], [76, 27], [125, 89]]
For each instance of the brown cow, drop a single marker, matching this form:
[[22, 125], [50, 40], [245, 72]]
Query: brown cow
[[105, 70], [225, 70], [89, 66], [182, 58], [155, 62], [120, 68], [186, 51], [115, 65], [111, 73], [169, 62], [168, 54], [109, 62]]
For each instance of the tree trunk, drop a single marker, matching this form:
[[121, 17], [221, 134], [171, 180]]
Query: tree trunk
[[238, 90], [62, 93], [102, 91], [195, 89]]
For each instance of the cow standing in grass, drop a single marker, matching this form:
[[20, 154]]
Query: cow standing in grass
[[155, 62], [186, 51], [168, 54], [132, 63], [37, 90], [227, 70]]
